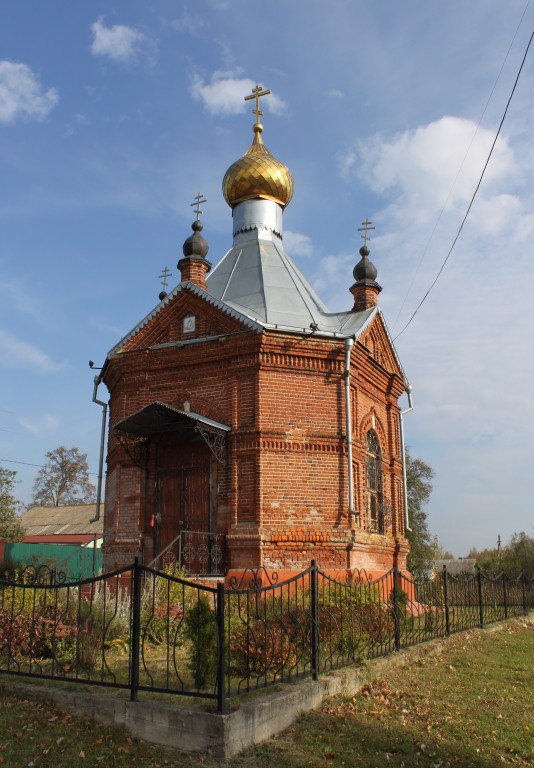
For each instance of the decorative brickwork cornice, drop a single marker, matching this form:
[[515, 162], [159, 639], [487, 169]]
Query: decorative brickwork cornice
[[336, 536], [302, 362], [281, 444]]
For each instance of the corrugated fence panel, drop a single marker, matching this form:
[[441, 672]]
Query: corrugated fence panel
[[76, 562]]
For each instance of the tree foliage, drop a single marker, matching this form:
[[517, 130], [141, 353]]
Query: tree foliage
[[64, 479], [514, 558], [10, 526], [419, 476]]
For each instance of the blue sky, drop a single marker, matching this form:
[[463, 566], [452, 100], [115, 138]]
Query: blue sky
[[114, 115]]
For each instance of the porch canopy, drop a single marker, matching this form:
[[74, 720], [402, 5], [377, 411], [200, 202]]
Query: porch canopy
[[157, 418]]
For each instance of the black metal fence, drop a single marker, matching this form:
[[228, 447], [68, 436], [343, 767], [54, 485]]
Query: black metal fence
[[145, 630]]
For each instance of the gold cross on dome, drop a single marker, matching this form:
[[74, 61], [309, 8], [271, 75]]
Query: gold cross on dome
[[165, 274], [257, 93], [197, 201], [365, 228]]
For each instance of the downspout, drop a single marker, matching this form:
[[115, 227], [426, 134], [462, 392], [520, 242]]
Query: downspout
[[349, 342], [97, 381], [403, 449]]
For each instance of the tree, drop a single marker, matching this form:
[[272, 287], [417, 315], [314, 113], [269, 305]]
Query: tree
[[515, 557], [419, 476], [63, 480], [487, 559], [518, 556], [10, 526]]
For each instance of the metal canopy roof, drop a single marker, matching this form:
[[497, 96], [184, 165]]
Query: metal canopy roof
[[157, 417]]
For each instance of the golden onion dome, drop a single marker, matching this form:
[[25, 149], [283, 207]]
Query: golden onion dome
[[257, 175]]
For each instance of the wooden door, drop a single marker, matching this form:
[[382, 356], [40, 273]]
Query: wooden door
[[185, 517]]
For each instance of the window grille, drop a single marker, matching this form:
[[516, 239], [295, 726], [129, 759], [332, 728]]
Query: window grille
[[373, 482]]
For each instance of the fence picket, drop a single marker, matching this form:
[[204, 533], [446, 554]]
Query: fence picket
[[136, 631], [191, 639]]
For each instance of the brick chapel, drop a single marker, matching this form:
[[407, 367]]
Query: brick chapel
[[248, 425]]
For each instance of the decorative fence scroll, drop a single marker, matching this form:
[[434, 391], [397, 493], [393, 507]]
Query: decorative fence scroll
[[148, 630]]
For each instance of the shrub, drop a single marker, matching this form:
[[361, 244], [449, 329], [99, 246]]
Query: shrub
[[201, 630], [35, 636], [276, 642]]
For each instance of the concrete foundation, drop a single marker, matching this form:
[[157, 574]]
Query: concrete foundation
[[222, 736]]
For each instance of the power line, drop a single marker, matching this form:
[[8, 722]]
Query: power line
[[26, 464], [41, 466], [472, 198], [436, 224]]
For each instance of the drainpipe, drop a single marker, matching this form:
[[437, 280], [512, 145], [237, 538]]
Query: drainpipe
[[404, 481], [97, 381], [348, 424]]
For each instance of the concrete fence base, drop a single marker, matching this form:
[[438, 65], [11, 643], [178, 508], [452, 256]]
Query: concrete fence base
[[222, 736], [195, 730]]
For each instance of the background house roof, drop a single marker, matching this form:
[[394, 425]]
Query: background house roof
[[456, 566], [46, 521]]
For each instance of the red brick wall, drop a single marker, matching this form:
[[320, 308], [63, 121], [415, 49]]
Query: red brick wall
[[365, 296], [283, 497], [194, 270]]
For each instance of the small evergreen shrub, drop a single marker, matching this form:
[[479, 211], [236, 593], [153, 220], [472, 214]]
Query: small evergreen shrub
[[201, 630]]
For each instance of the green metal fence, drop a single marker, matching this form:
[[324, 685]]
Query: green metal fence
[[76, 562]]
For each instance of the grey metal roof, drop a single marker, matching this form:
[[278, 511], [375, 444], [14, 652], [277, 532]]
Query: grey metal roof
[[258, 279], [258, 284], [74, 519]]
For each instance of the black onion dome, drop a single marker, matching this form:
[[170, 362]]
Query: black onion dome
[[195, 245], [365, 269]]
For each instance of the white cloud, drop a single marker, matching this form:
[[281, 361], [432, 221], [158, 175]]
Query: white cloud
[[15, 353], [297, 244], [78, 119], [16, 296], [335, 94], [225, 94], [119, 42], [333, 278], [43, 425], [22, 95], [187, 23], [435, 165], [466, 350]]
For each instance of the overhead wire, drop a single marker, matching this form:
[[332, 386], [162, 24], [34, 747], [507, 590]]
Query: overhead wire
[[436, 224], [473, 196], [41, 466]]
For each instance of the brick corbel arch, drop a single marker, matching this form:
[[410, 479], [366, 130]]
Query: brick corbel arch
[[367, 423]]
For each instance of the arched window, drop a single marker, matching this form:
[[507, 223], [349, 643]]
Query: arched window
[[373, 483]]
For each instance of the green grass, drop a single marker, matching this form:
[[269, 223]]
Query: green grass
[[468, 703]]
